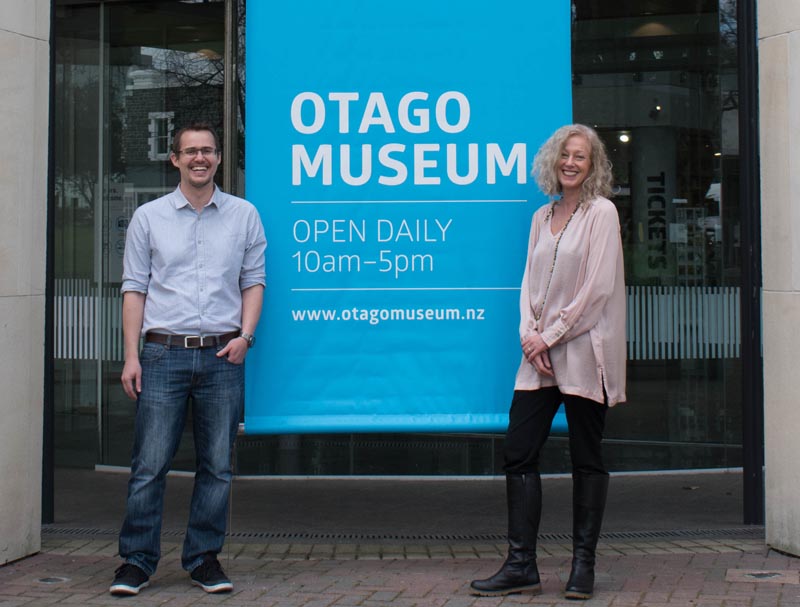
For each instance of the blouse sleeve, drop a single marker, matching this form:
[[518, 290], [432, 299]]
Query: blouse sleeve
[[527, 324], [604, 250]]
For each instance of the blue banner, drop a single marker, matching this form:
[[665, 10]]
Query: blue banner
[[388, 150]]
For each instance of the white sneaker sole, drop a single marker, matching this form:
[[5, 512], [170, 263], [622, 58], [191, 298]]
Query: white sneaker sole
[[125, 590], [216, 588]]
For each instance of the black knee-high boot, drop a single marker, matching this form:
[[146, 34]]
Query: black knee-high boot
[[589, 493], [519, 572]]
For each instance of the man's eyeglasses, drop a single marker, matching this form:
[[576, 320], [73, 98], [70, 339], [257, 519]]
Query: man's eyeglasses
[[206, 152]]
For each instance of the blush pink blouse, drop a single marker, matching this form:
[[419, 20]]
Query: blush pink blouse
[[583, 319]]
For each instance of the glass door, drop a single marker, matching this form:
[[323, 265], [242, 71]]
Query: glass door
[[128, 74], [659, 81]]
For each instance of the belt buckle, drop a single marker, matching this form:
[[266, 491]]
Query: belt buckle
[[193, 342]]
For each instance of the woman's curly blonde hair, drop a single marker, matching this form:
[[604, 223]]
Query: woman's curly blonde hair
[[599, 182]]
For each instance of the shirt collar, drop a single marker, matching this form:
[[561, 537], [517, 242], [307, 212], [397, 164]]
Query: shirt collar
[[180, 200]]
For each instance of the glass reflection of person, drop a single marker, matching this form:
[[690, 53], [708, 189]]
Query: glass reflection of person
[[572, 336]]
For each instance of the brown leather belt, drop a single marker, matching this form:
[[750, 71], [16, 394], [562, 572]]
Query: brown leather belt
[[191, 341]]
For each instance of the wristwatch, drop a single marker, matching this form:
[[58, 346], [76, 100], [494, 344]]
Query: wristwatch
[[249, 338]]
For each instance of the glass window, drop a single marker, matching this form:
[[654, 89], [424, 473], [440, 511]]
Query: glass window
[[161, 131], [657, 78]]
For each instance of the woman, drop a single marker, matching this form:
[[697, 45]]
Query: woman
[[572, 335]]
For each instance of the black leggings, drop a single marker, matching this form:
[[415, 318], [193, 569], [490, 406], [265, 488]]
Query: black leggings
[[531, 415]]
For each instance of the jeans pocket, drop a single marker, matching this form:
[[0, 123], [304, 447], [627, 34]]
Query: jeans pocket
[[152, 352], [227, 360]]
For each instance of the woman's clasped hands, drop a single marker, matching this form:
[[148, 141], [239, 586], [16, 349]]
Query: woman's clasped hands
[[537, 353]]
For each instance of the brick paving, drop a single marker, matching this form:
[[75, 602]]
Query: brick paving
[[682, 572]]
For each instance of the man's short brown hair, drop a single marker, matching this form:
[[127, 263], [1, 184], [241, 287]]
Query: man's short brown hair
[[194, 126]]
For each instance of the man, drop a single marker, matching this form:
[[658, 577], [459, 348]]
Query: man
[[193, 285]]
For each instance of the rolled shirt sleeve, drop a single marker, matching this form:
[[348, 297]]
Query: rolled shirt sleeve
[[253, 264], [136, 260]]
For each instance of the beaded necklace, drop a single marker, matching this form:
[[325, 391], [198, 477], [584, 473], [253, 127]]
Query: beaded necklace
[[538, 315]]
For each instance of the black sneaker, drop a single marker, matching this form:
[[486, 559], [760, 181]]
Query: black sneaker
[[210, 576], [129, 580]]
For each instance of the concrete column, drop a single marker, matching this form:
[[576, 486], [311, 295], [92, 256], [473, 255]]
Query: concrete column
[[24, 98], [779, 98]]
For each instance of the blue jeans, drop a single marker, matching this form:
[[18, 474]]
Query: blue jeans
[[170, 377]]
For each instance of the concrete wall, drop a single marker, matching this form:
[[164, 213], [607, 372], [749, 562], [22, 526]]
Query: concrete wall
[[24, 69], [779, 98]]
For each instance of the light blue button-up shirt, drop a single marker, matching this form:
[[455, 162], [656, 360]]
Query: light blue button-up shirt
[[194, 266]]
